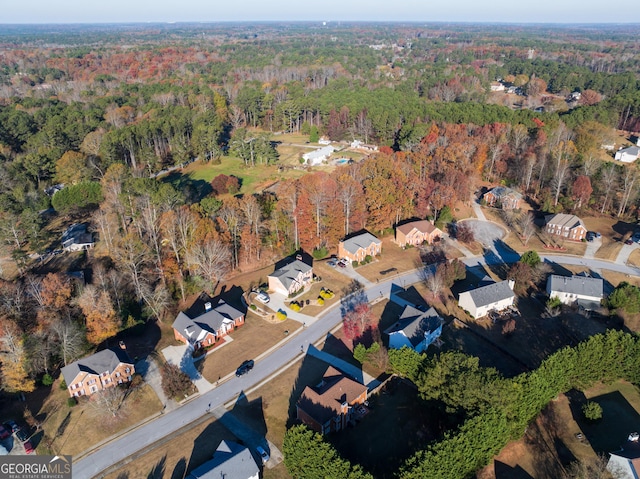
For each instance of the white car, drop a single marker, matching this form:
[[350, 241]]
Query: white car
[[263, 297], [264, 455]]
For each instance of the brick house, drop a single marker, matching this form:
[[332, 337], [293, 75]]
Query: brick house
[[328, 406], [290, 276], [566, 226], [506, 198], [416, 233], [99, 371], [206, 322], [360, 246]]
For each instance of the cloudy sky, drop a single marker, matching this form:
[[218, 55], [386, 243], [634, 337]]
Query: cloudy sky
[[101, 11]]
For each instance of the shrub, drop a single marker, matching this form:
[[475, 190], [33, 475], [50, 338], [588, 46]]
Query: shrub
[[326, 293], [592, 411], [531, 258], [63, 385], [355, 263], [295, 306], [136, 381], [320, 253], [71, 402], [175, 382], [367, 259], [253, 307], [47, 380], [281, 315], [320, 301]]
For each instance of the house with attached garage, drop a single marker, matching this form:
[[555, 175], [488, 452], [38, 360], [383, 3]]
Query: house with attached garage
[[291, 275], [628, 155], [566, 226], [417, 232], [492, 297], [230, 461], [585, 292], [101, 370], [316, 157], [76, 238], [415, 329], [358, 247], [329, 406], [206, 322], [505, 198]]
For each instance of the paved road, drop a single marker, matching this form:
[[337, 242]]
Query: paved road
[[93, 464]]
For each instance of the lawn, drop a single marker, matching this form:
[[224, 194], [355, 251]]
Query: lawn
[[256, 336], [63, 423], [634, 258], [392, 256]]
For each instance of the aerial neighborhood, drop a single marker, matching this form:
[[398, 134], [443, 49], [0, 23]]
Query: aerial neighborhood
[[323, 249]]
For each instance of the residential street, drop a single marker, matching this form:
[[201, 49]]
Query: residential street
[[271, 362]]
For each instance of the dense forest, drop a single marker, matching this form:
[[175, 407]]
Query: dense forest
[[106, 111]]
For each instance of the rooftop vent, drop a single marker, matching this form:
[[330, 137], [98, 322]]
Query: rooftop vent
[[207, 306], [299, 257]]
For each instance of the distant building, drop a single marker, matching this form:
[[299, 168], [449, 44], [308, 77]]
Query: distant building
[[358, 145], [493, 297], [102, 370], [76, 238], [415, 329], [230, 461], [586, 292], [316, 157], [566, 226], [506, 198], [497, 86], [358, 247], [628, 155]]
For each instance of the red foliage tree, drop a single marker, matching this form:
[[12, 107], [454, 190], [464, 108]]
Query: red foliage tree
[[357, 321], [582, 191]]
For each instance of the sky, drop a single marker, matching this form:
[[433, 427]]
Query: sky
[[504, 11]]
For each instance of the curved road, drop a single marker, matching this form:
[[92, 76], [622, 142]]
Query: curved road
[[118, 450]]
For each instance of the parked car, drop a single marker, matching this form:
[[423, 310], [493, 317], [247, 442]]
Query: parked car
[[22, 434], [342, 263], [28, 447], [629, 241], [245, 367], [4, 433], [11, 426], [263, 297], [636, 237], [332, 263], [264, 455], [590, 236]]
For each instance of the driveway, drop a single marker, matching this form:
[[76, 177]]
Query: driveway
[[150, 371], [181, 357], [592, 247], [625, 252]]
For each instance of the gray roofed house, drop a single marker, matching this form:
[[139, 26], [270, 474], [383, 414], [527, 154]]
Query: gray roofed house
[[493, 297], [316, 157], [628, 155], [76, 238], [415, 329], [98, 371], [230, 461], [291, 277], [566, 226], [358, 247], [205, 328], [587, 292], [508, 198]]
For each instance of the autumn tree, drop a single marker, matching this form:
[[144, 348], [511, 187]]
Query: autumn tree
[[101, 319], [72, 168], [357, 321], [176, 384], [581, 191], [13, 358]]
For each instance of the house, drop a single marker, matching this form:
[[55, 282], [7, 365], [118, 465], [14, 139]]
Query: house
[[206, 322], [76, 238], [292, 276], [316, 157], [230, 461], [493, 297], [628, 155], [329, 405], [566, 226], [506, 198], [358, 247], [625, 463], [415, 329], [359, 145], [99, 371], [587, 292], [497, 86], [416, 233], [324, 141]]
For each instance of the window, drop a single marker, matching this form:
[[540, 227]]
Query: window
[[91, 381], [117, 375], [127, 370]]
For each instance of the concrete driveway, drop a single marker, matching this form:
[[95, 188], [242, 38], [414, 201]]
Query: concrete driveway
[[181, 357], [150, 372], [592, 247], [625, 252]]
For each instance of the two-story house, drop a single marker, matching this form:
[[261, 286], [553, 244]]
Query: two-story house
[[417, 232], [506, 198], [358, 247], [206, 322], [291, 275], [492, 297], [230, 461], [415, 329], [586, 292], [566, 226], [99, 371]]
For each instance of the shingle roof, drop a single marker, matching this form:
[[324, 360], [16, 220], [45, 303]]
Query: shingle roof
[[564, 220], [492, 293], [502, 191], [194, 328], [319, 153], [352, 245], [415, 323], [631, 150], [324, 401], [230, 461], [576, 285], [289, 272], [102, 361], [423, 226]]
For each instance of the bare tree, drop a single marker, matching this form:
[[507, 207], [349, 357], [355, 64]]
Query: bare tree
[[560, 177], [348, 190], [527, 228], [71, 339], [231, 215], [629, 178], [108, 400], [434, 281], [608, 181], [210, 259]]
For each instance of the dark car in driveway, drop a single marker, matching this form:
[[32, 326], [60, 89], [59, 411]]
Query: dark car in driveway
[[245, 367], [4, 433]]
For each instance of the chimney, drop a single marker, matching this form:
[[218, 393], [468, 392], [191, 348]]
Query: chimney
[[299, 257], [207, 306]]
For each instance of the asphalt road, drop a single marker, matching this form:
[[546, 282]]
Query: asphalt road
[[118, 450]]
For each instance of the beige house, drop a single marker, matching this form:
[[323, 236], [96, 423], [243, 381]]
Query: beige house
[[416, 233], [566, 226], [357, 248], [290, 277], [99, 371]]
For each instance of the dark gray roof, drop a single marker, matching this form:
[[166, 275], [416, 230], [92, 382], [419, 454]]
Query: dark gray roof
[[491, 293], [352, 245], [98, 363], [415, 323], [186, 326], [289, 272], [576, 285], [209, 320], [76, 234], [230, 461]]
